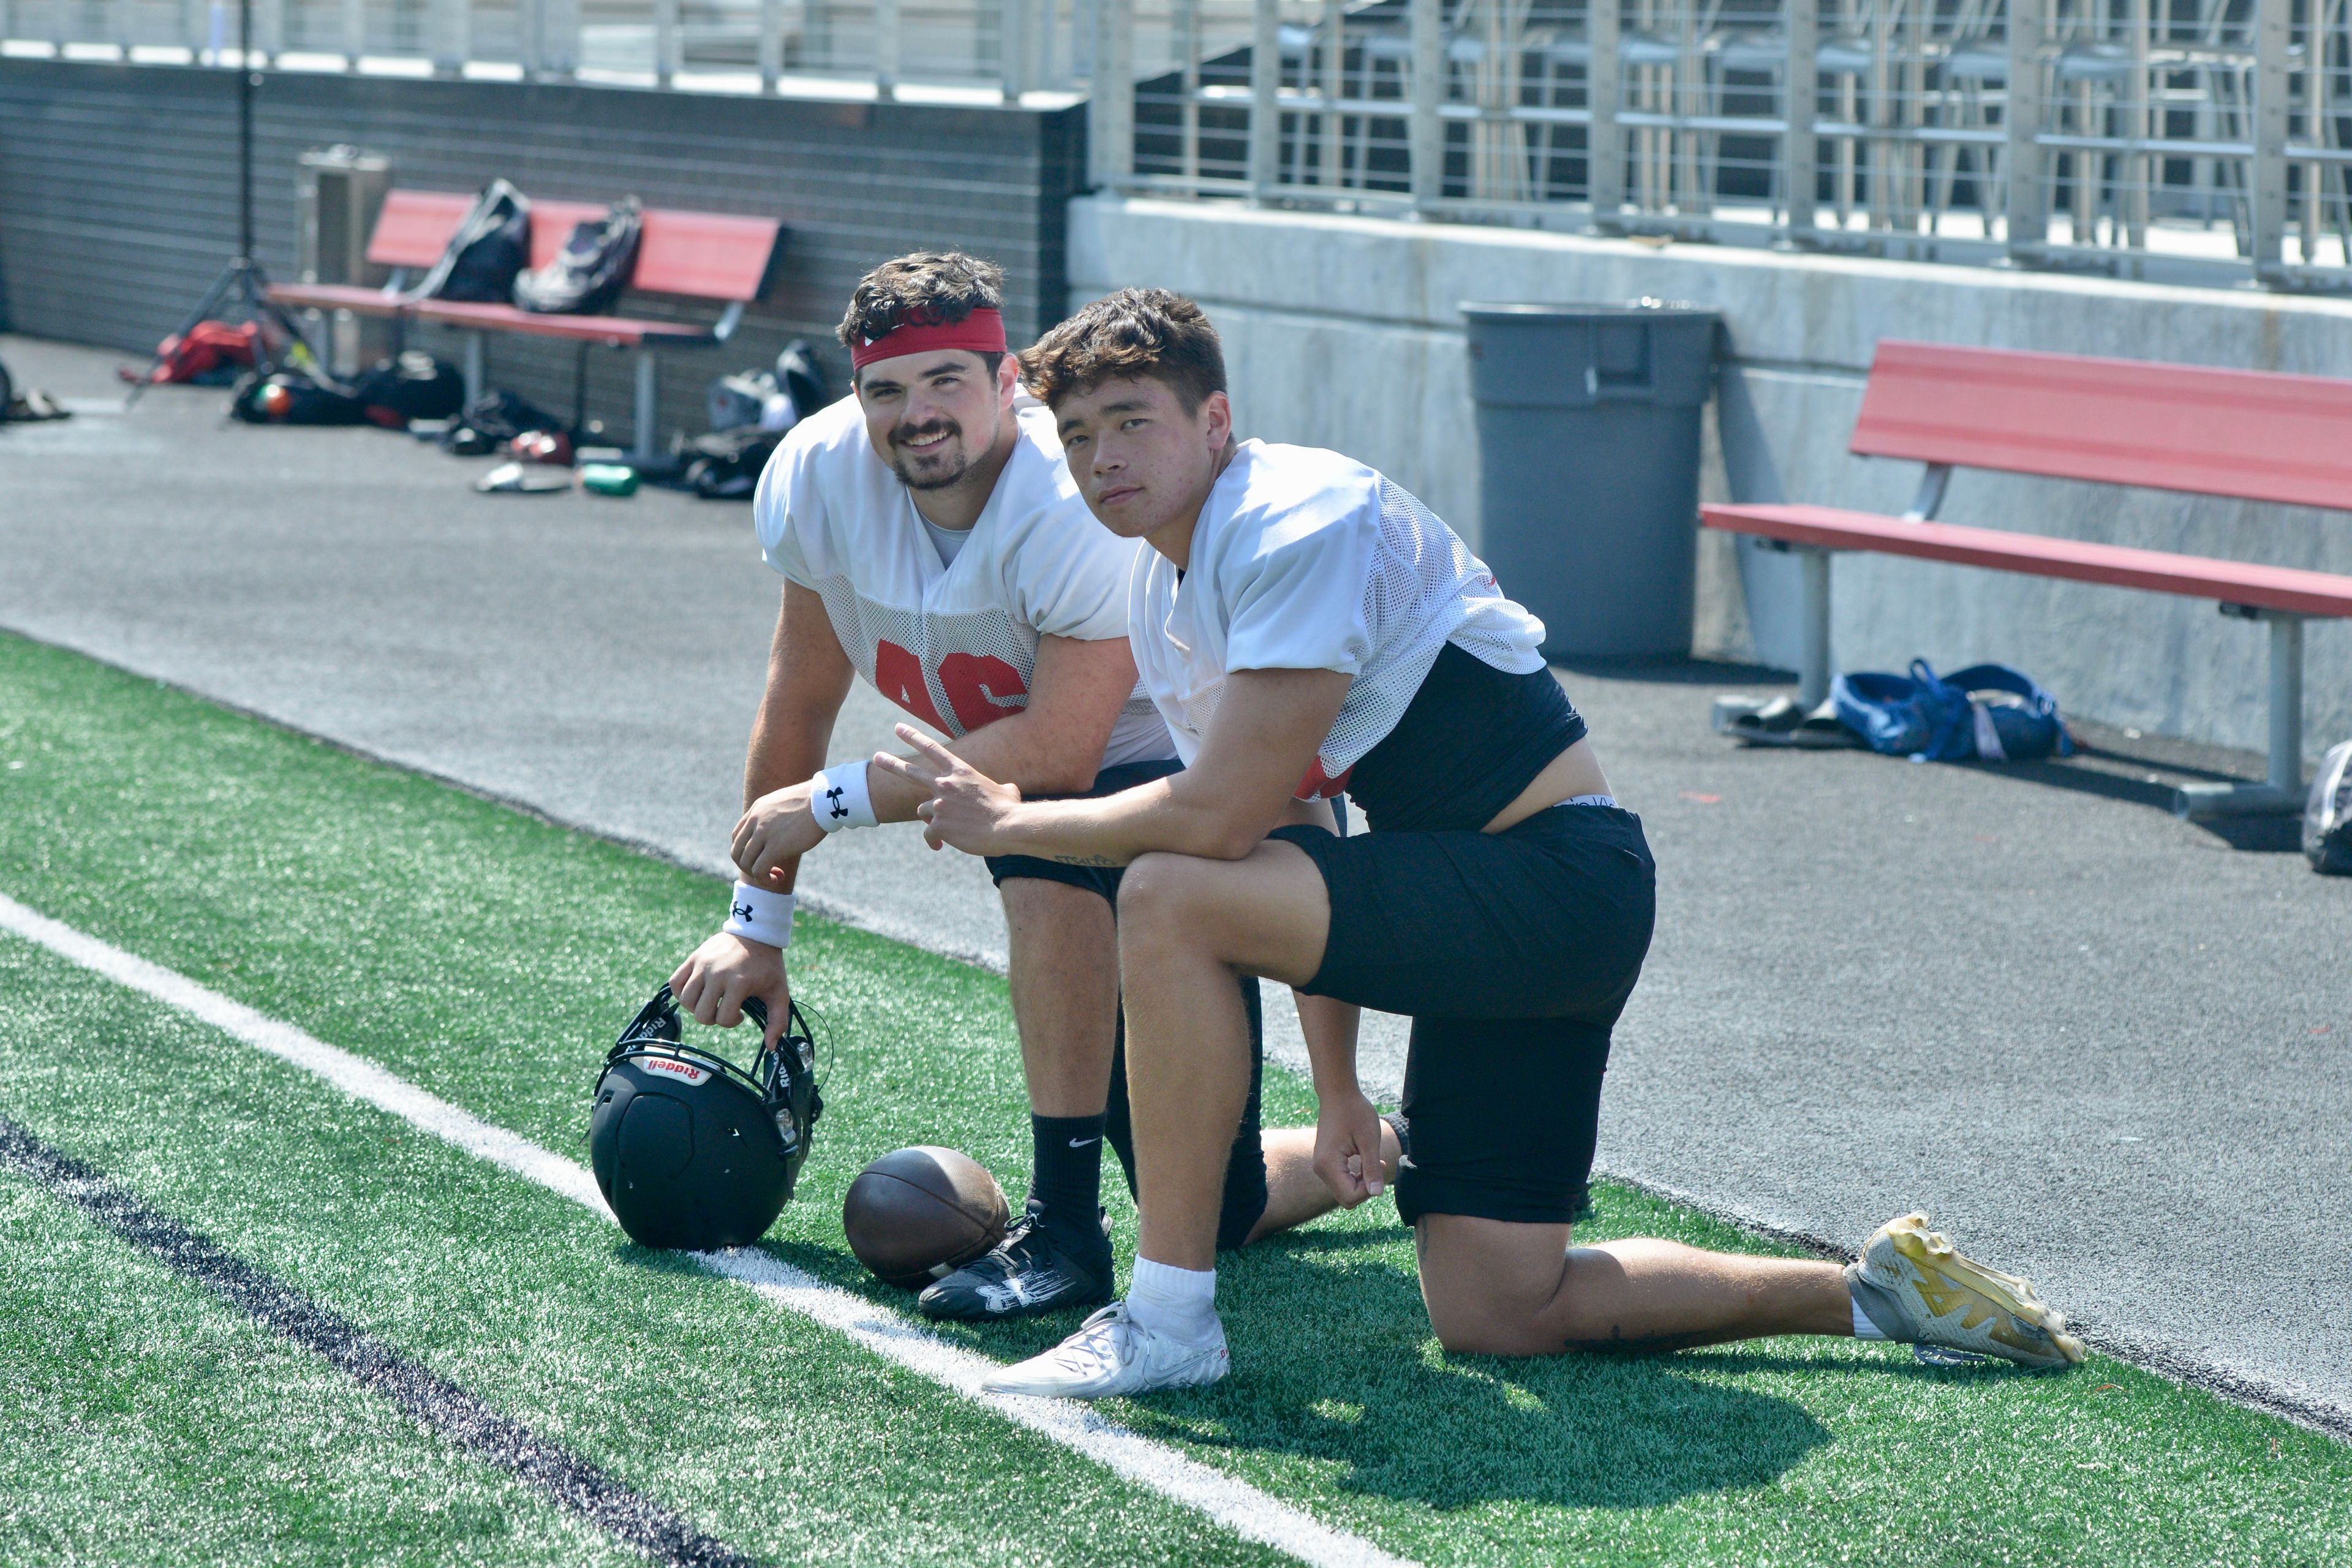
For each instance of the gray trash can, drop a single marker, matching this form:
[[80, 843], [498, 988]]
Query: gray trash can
[[1588, 451]]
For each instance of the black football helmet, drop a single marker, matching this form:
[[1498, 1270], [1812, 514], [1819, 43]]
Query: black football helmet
[[691, 1151]]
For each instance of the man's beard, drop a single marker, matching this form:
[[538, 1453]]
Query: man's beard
[[938, 479]]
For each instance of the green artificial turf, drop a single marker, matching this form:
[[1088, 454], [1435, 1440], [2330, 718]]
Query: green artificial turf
[[488, 958], [763, 1428], [150, 1421]]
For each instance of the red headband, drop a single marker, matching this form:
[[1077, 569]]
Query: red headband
[[981, 333]]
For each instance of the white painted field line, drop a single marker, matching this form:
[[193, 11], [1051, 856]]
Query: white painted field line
[[1234, 1503]]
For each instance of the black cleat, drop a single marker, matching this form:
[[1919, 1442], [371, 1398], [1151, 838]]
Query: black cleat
[[1032, 1270]]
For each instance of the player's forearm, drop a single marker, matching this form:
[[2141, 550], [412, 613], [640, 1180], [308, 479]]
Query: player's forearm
[[787, 747], [1330, 1027], [1030, 749], [1163, 816]]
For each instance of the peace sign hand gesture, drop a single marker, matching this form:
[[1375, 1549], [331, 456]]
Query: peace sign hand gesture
[[968, 810]]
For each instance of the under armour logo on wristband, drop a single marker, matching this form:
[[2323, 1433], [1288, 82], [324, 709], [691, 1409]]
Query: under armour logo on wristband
[[741, 911], [834, 794]]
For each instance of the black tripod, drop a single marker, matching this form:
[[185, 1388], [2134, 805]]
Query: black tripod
[[242, 280]]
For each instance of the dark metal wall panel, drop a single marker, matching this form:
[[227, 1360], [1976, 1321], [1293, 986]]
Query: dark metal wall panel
[[118, 194]]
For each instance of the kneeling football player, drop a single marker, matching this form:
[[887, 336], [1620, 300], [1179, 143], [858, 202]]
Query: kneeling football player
[[933, 544], [1303, 618]]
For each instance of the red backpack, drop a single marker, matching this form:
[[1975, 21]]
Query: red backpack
[[209, 354]]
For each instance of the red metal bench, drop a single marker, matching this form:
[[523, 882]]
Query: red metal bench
[[2247, 435], [687, 254]]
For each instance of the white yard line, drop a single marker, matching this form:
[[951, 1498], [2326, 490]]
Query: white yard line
[[1236, 1504]]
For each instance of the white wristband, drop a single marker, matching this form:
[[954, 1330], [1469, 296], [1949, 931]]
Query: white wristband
[[838, 798], [761, 914]]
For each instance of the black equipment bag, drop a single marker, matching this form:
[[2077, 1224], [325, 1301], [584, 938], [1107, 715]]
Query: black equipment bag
[[725, 465], [415, 386], [588, 276], [293, 397], [495, 418], [492, 245]]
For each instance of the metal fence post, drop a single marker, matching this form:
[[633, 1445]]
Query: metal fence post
[[885, 49], [449, 22], [1265, 99], [2027, 195], [354, 33], [1427, 149], [2272, 41], [1801, 100], [1184, 23], [558, 39], [1012, 48], [1110, 102], [771, 44], [1604, 138], [665, 49]]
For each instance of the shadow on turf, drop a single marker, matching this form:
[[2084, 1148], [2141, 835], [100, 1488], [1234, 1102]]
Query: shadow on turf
[[1334, 1364]]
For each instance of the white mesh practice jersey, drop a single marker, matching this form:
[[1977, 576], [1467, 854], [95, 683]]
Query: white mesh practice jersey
[[955, 644], [1306, 560]]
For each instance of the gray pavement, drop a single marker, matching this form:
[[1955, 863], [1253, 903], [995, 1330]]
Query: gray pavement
[[2107, 1048]]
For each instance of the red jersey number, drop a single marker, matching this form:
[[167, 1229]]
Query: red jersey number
[[980, 689]]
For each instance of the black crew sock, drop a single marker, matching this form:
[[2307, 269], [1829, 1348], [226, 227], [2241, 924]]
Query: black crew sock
[[1066, 1176]]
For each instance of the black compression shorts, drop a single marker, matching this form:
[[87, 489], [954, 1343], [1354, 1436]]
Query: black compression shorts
[[1246, 1195], [1513, 953]]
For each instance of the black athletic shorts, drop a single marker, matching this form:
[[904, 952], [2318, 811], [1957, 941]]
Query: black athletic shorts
[[1513, 953], [1244, 1201]]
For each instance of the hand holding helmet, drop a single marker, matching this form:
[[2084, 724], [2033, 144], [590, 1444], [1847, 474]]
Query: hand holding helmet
[[690, 1150]]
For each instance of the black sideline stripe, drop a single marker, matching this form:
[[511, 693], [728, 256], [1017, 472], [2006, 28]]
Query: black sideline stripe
[[571, 1481]]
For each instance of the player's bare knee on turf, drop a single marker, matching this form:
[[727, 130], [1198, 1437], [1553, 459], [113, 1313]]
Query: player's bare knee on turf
[[1503, 1322]]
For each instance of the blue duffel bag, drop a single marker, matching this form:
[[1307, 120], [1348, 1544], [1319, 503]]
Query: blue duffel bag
[[1941, 719]]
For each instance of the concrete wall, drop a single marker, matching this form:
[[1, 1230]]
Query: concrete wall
[[118, 193], [1345, 333]]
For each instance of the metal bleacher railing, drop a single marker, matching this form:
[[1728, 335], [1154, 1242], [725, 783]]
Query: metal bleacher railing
[[2184, 140], [2193, 140]]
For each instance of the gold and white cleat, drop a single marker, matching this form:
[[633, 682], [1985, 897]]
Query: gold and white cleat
[[1915, 1285]]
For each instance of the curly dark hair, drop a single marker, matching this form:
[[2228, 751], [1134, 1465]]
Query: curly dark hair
[[937, 287], [1134, 332]]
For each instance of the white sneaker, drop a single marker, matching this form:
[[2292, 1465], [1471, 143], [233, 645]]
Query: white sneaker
[[1112, 1353]]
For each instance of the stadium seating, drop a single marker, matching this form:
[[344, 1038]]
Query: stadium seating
[[708, 257], [2248, 435]]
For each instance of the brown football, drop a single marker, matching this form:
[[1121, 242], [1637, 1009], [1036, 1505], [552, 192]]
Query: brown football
[[919, 1215]]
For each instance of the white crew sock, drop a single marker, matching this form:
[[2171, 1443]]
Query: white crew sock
[[1178, 1303], [1864, 1328]]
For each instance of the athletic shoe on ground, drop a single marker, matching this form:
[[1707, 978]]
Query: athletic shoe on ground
[[1114, 1354], [1032, 1270], [1913, 1283]]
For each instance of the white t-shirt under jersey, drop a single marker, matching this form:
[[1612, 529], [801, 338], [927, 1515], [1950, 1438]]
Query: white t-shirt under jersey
[[1304, 559], [954, 643]]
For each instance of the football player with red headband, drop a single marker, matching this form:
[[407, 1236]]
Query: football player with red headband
[[933, 544]]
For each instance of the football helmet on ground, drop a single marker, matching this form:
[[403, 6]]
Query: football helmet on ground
[[691, 1151]]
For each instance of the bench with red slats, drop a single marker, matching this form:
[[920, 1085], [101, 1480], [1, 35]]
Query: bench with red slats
[[712, 256], [2246, 435]]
